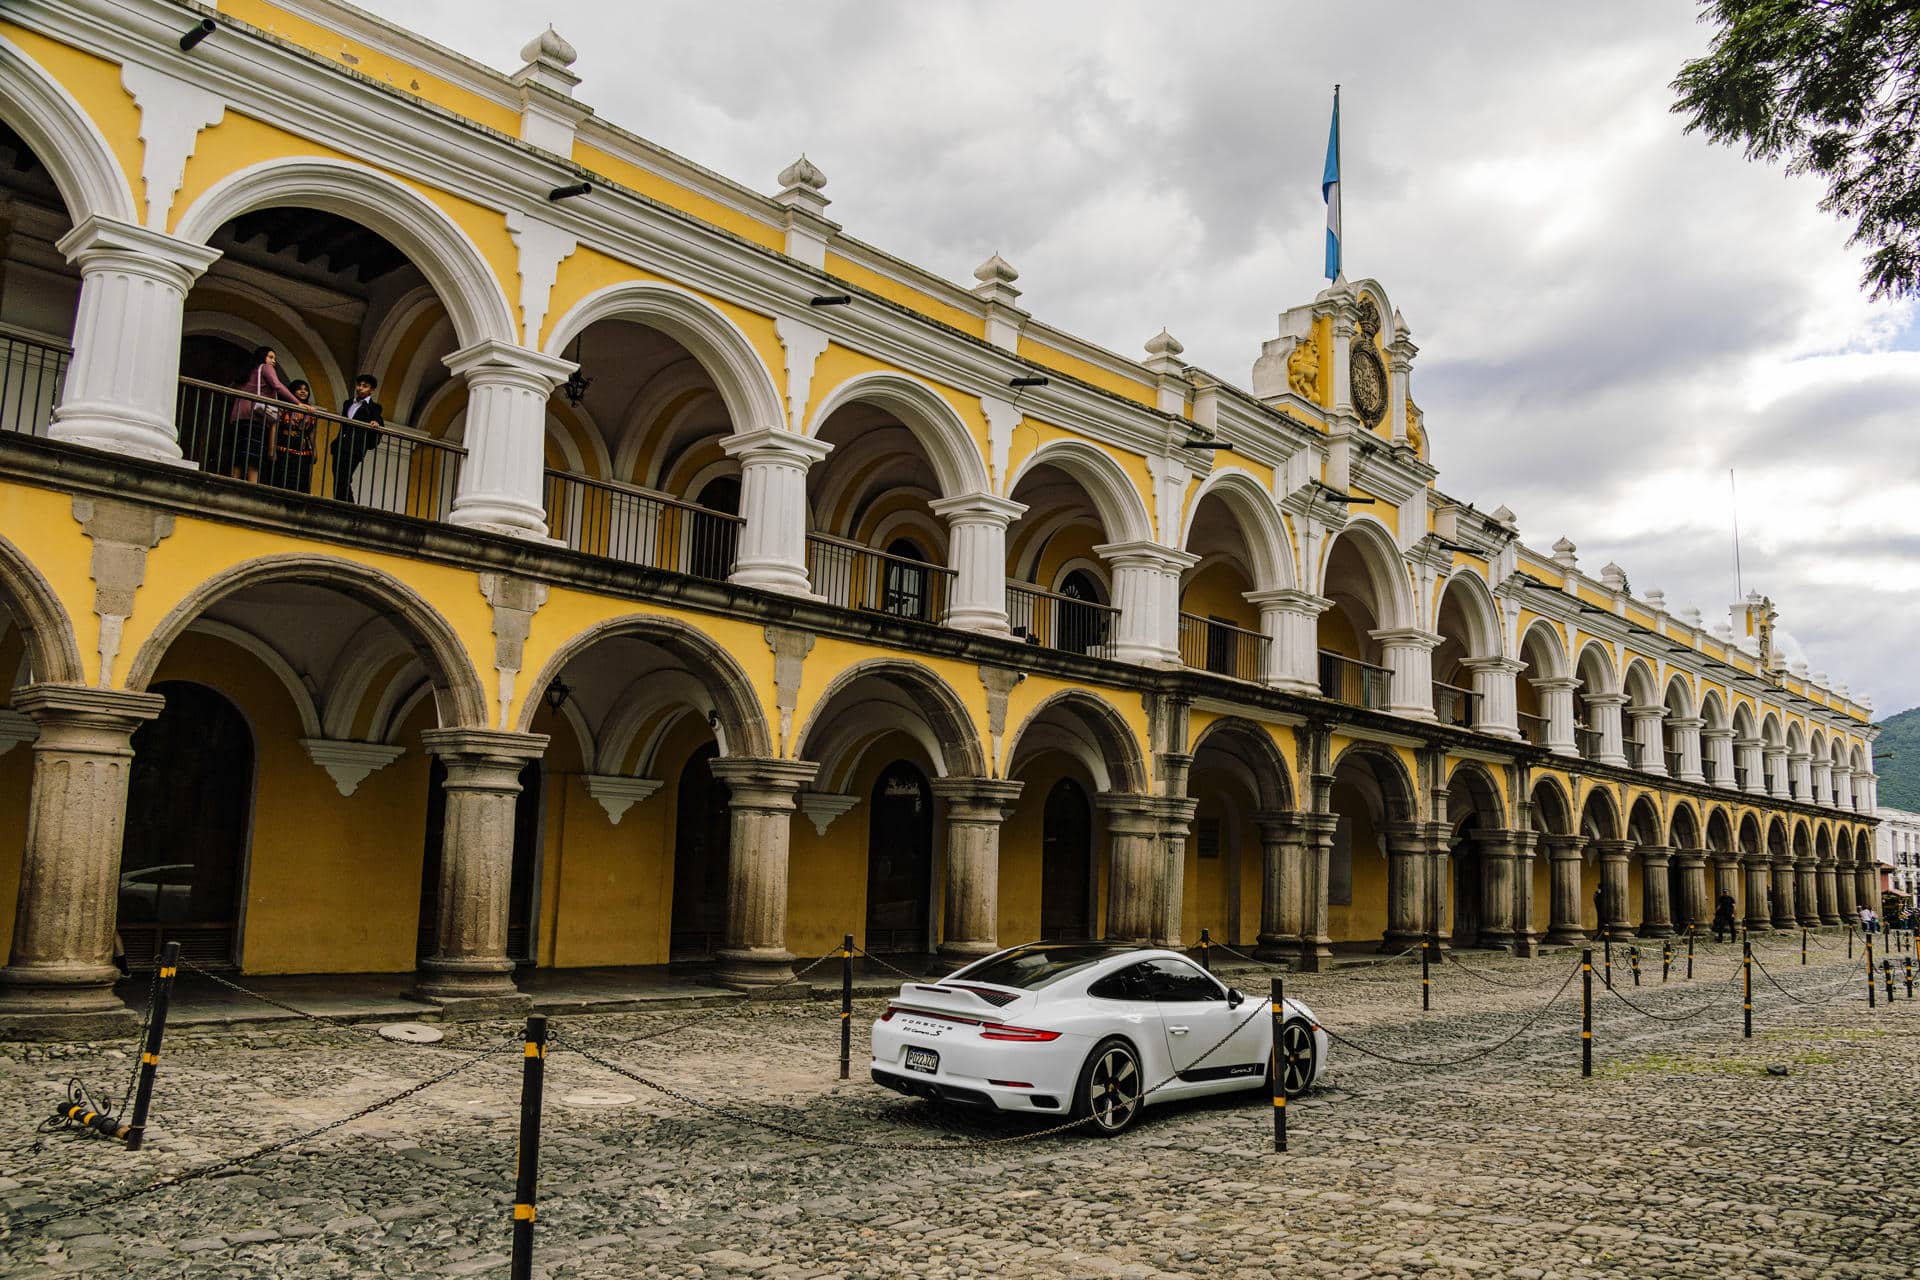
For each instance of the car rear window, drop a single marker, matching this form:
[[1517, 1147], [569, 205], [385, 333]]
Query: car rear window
[[1033, 969]]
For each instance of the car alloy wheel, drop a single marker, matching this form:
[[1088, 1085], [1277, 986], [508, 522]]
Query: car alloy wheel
[[1297, 1054], [1111, 1088]]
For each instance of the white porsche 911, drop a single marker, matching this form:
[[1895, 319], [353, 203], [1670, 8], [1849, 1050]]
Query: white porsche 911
[[1089, 1030]]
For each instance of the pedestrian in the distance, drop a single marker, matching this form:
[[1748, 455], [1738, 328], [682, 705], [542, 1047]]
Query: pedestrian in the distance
[[1723, 916]]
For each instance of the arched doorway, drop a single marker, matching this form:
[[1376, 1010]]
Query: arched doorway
[[521, 934], [899, 861], [1066, 864], [189, 814], [702, 847], [1469, 877]]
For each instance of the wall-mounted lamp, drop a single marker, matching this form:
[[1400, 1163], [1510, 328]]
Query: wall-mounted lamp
[[569, 192], [1218, 446], [1346, 501], [1026, 382], [1444, 545], [557, 694], [831, 300], [575, 387], [196, 34]]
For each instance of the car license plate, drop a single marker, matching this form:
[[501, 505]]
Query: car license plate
[[923, 1060]]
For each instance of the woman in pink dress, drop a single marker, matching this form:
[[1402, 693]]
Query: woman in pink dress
[[254, 423]]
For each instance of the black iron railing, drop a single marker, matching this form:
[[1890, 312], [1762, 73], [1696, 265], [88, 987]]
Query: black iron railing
[[622, 522], [1207, 644], [33, 372], [307, 450], [1356, 683], [856, 577], [1056, 621], [1454, 705], [1586, 741]]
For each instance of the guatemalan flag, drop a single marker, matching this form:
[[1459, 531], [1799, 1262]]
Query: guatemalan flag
[[1330, 190]]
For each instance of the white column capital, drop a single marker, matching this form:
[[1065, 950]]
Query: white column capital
[[1714, 735], [493, 362], [1685, 722], [977, 554], [101, 243], [776, 447], [1603, 699], [1289, 599], [1511, 666], [977, 508], [503, 476], [772, 552], [1146, 555], [1556, 684], [1407, 638], [1643, 713]]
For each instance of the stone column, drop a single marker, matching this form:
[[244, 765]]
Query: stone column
[[1800, 776], [1696, 905], [1656, 897], [1283, 886], [1776, 771], [1719, 750], [1829, 893], [1408, 651], [1291, 622], [1406, 886], [1842, 787], [1556, 703], [762, 805], [1436, 890], [1497, 711], [1806, 893], [1146, 590], [1606, 709], [772, 553], [1316, 945], [1866, 884], [971, 902], [1686, 741], [123, 381], [1616, 864], [1496, 907], [1822, 773], [1400, 354], [1759, 919], [1782, 912], [1133, 838], [1647, 733], [977, 554], [1752, 765], [1726, 877], [1526, 938], [1843, 892], [1563, 866], [1175, 814], [469, 960], [60, 970], [503, 477]]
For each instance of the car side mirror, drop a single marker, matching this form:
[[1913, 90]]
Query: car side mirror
[[1234, 998]]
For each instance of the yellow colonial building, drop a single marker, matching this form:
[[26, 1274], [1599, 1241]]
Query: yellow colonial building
[[709, 584]]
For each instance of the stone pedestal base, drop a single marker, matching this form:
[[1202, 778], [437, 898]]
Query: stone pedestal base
[[750, 968]]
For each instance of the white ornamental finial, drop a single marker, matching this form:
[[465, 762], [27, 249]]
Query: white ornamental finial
[[550, 48]]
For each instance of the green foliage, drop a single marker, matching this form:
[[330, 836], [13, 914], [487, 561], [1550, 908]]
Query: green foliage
[[1900, 776], [1833, 88]]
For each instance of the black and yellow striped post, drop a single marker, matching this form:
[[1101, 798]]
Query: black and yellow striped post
[[1746, 988], [1426, 974], [150, 1051], [1886, 970], [1606, 976], [1278, 1069], [1206, 948], [1868, 939], [1849, 942], [846, 1006], [1803, 948], [1633, 961], [1906, 962], [1666, 959], [533, 1080], [1586, 1012], [1689, 955]]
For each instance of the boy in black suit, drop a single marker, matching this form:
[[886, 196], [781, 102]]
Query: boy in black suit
[[353, 443]]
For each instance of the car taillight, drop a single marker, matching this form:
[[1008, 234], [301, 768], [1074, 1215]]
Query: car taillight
[[1025, 1035], [888, 1015]]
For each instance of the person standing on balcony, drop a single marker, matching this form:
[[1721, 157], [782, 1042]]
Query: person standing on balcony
[[293, 452], [255, 422], [353, 442]]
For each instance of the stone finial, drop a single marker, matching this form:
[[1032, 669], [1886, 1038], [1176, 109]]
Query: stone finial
[[1399, 331], [1613, 576], [996, 276], [1692, 616], [1819, 678], [1503, 515], [1563, 554], [1724, 632], [549, 58], [1164, 344], [803, 173], [1657, 599], [1841, 688], [1799, 669]]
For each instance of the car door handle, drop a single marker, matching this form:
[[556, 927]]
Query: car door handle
[[1178, 1031]]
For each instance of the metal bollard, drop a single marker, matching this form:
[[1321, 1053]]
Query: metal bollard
[[846, 1006], [1849, 942], [1279, 1071], [1666, 959], [1906, 962], [1803, 948], [1633, 961], [150, 1052], [1886, 969], [1607, 976], [533, 1077], [1426, 975], [1206, 945], [1746, 983], [1689, 956], [1868, 939], [1586, 1011]]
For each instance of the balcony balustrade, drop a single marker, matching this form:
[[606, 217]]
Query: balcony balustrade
[[1356, 683], [32, 373], [857, 577], [1454, 705], [1055, 621], [1207, 644], [623, 522]]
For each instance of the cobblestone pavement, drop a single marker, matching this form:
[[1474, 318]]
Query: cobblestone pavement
[[1683, 1156]]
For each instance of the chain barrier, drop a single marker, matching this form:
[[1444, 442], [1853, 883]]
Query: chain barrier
[[338, 1024], [80, 1100], [891, 968], [1493, 981], [734, 1006], [1342, 971], [1836, 991], [1487, 1051], [280, 1144], [1708, 1007]]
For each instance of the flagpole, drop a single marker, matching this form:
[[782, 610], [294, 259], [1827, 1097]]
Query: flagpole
[[1340, 169]]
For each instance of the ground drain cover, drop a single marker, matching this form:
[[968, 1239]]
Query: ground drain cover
[[413, 1033], [598, 1098]]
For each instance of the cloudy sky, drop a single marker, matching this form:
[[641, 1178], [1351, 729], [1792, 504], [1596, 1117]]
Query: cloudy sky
[[1610, 314]]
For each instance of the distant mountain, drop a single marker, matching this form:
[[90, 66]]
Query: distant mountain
[[1900, 776]]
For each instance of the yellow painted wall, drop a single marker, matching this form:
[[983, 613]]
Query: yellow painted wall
[[1365, 919], [1021, 847], [677, 196], [1219, 591]]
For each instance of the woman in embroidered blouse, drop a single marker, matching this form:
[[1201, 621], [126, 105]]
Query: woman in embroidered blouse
[[255, 422]]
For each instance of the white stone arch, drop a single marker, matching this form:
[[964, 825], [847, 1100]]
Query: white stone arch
[[64, 139], [1684, 707], [1771, 732], [1638, 684], [638, 453], [1485, 635], [224, 324], [1261, 528], [431, 240], [1817, 745], [1122, 510], [647, 704], [1386, 570], [1744, 729], [746, 387], [949, 445], [1796, 738], [1714, 710], [1599, 656]]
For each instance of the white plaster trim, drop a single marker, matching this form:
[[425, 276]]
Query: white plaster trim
[[172, 114], [617, 794], [543, 247], [804, 345], [822, 807], [348, 763]]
